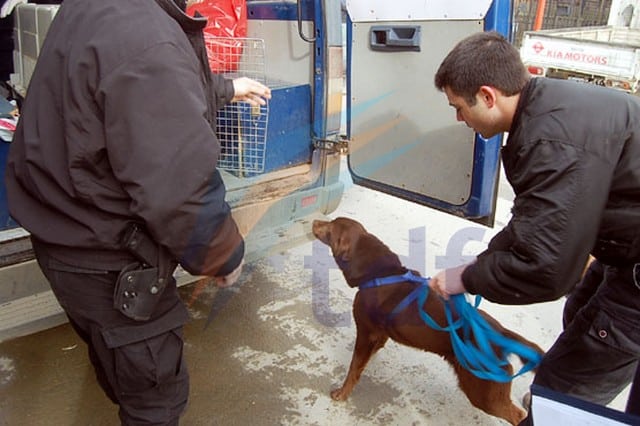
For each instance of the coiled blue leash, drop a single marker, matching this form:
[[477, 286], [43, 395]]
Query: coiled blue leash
[[474, 345]]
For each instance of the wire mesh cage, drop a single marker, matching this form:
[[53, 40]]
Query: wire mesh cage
[[241, 127]]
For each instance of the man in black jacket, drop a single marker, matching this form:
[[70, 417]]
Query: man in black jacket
[[113, 172], [573, 159]]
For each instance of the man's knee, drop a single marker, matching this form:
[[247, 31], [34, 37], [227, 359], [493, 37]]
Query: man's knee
[[152, 380], [593, 359]]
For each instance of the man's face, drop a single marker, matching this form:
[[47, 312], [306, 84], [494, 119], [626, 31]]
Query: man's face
[[479, 117]]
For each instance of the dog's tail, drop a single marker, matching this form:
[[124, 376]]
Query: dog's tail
[[515, 336], [512, 335]]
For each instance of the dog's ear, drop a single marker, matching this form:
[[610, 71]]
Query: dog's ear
[[342, 248]]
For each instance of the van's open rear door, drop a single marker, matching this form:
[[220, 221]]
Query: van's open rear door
[[404, 137]]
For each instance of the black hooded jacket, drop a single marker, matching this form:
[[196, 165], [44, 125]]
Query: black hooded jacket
[[117, 127], [573, 159]]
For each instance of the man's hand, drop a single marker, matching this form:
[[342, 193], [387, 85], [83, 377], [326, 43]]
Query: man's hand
[[449, 281], [231, 278], [251, 91]]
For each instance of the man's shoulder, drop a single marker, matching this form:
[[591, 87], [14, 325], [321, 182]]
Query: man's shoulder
[[133, 22], [110, 33], [576, 90]]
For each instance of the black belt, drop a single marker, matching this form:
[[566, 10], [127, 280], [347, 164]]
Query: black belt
[[617, 252]]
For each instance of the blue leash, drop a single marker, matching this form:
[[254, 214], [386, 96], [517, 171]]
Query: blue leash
[[474, 349]]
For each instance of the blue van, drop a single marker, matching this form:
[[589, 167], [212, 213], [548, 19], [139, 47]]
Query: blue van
[[281, 162]]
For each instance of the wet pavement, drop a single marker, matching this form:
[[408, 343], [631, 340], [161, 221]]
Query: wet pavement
[[279, 341]]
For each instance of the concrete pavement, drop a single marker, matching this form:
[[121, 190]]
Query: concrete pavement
[[281, 339]]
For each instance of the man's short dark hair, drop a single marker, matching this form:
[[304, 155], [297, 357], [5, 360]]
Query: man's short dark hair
[[482, 59]]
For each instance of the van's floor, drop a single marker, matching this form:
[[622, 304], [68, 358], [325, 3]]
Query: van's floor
[[288, 179]]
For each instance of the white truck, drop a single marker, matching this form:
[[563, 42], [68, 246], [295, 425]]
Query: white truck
[[605, 55]]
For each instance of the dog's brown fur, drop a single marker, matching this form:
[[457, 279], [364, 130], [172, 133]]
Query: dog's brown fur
[[362, 257]]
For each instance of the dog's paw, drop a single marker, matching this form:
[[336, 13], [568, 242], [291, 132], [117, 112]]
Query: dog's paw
[[338, 395]]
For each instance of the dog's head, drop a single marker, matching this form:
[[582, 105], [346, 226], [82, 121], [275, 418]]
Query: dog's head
[[340, 234], [359, 255]]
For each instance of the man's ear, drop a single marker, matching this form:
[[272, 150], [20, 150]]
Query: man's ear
[[488, 95]]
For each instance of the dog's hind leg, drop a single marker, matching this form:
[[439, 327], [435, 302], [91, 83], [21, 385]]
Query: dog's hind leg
[[491, 397], [366, 345]]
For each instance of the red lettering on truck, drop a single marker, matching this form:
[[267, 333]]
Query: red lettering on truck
[[578, 57], [587, 58]]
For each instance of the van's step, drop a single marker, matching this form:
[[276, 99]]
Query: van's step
[[15, 246], [30, 314]]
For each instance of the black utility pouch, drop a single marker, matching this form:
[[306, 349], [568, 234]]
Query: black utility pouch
[[138, 291]]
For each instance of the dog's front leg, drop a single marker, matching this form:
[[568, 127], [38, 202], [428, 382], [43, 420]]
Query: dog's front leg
[[367, 343]]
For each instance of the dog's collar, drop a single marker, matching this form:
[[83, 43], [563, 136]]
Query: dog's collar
[[420, 291], [393, 279]]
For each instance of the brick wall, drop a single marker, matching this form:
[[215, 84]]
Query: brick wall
[[559, 14]]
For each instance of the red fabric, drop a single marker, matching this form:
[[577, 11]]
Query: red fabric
[[227, 20]]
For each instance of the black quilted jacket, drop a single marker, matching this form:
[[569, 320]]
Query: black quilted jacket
[[573, 159]]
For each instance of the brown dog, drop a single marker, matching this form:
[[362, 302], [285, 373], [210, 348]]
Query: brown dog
[[363, 257]]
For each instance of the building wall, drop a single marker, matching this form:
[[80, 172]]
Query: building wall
[[558, 14]]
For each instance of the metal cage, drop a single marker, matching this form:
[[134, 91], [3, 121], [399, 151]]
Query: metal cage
[[241, 127]]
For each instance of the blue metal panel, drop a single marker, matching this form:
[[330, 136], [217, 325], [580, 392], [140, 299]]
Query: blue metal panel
[[485, 176], [6, 221], [487, 151], [319, 75], [289, 128], [279, 11], [499, 17]]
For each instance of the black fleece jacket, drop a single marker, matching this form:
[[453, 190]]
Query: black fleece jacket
[[117, 127]]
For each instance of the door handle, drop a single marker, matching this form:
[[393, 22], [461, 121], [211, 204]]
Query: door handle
[[395, 38], [300, 32]]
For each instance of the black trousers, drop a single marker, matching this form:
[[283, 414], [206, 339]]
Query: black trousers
[[138, 364], [597, 354]]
